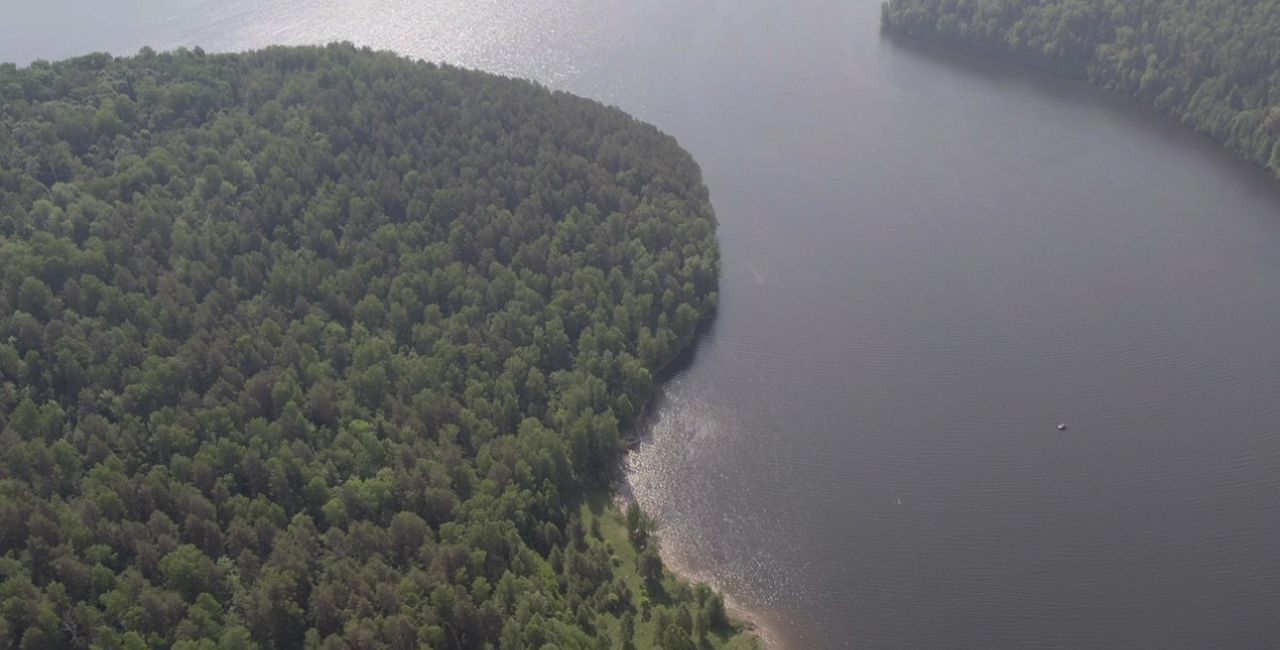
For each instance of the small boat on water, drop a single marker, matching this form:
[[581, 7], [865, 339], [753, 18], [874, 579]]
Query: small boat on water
[[1062, 426]]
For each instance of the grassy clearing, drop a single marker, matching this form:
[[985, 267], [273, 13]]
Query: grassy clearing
[[694, 610]]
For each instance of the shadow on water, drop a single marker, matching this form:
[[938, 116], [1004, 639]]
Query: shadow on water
[[640, 428], [993, 69]]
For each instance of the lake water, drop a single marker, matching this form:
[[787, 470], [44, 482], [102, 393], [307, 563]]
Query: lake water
[[930, 260]]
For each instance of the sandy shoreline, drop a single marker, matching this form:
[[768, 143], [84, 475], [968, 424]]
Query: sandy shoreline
[[753, 623], [758, 622]]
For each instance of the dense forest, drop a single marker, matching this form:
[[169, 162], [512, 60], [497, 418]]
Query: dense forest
[[323, 347], [1213, 64]]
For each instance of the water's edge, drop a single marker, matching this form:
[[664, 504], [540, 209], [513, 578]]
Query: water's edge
[[1059, 71], [756, 622]]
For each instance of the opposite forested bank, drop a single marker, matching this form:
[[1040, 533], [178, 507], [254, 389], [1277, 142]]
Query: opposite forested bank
[[1212, 64], [322, 347]]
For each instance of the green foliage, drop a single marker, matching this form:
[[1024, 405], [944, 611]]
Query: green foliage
[[1213, 64], [322, 347], [638, 526], [662, 611]]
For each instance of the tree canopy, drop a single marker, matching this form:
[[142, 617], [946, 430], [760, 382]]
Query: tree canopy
[[1213, 64], [324, 347]]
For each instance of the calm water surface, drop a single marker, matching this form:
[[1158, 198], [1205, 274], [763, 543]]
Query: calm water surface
[[929, 261]]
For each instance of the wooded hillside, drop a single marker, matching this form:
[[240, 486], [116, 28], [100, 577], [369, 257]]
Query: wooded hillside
[[323, 347]]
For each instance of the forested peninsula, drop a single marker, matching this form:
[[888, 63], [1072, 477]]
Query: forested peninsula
[[322, 347], [1213, 64]]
